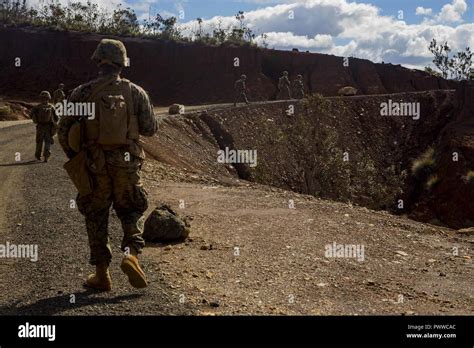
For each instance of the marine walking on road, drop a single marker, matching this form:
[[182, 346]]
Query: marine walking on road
[[240, 90], [46, 120], [284, 91], [106, 159], [59, 95], [298, 87]]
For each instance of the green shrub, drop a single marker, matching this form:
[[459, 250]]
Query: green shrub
[[5, 110], [469, 178], [425, 162], [89, 17]]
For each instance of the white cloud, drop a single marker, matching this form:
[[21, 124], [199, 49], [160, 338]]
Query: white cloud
[[354, 29], [421, 11], [452, 12]]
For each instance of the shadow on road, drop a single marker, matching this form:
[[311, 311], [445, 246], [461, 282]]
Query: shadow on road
[[21, 163], [58, 304]]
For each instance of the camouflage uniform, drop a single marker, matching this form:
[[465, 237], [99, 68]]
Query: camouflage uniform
[[58, 95], [284, 84], [240, 90], [298, 86], [44, 130], [116, 180]]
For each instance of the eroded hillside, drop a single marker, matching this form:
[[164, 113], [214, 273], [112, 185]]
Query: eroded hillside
[[338, 148], [189, 73]]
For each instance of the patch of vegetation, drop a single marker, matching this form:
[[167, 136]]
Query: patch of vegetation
[[317, 103], [424, 163], [456, 67], [90, 17], [261, 175], [335, 170], [469, 178], [432, 181], [5, 110]]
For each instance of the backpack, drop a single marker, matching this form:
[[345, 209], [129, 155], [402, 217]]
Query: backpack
[[45, 114], [163, 225], [114, 122]]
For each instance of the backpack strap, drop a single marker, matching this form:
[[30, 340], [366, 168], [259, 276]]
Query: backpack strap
[[132, 120]]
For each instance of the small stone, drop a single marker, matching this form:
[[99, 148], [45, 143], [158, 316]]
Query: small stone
[[441, 274], [370, 282], [214, 304], [402, 253], [321, 284]]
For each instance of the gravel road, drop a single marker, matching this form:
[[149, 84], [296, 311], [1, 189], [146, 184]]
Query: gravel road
[[250, 252]]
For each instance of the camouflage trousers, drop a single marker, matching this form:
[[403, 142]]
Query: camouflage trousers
[[43, 136], [284, 93], [122, 188], [299, 93], [240, 95]]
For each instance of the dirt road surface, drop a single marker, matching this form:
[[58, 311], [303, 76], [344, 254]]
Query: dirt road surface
[[253, 250]]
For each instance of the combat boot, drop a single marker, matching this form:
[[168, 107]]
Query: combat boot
[[132, 269], [46, 159], [101, 279]]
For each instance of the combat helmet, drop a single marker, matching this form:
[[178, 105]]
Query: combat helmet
[[299, 76], [243, 76], [45, 94], [61, 85], [110, 51], [285, 73]]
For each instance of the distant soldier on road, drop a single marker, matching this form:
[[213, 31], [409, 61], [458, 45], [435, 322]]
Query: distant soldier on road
[[284, 86], [240, 90], [298, 86], [58, 95], [46, 120], [114, 157]]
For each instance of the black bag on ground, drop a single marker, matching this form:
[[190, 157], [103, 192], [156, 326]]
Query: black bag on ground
[[164, 225]]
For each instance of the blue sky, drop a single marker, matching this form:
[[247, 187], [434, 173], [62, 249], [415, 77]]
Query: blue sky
[[370, 29], [210, 8]]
